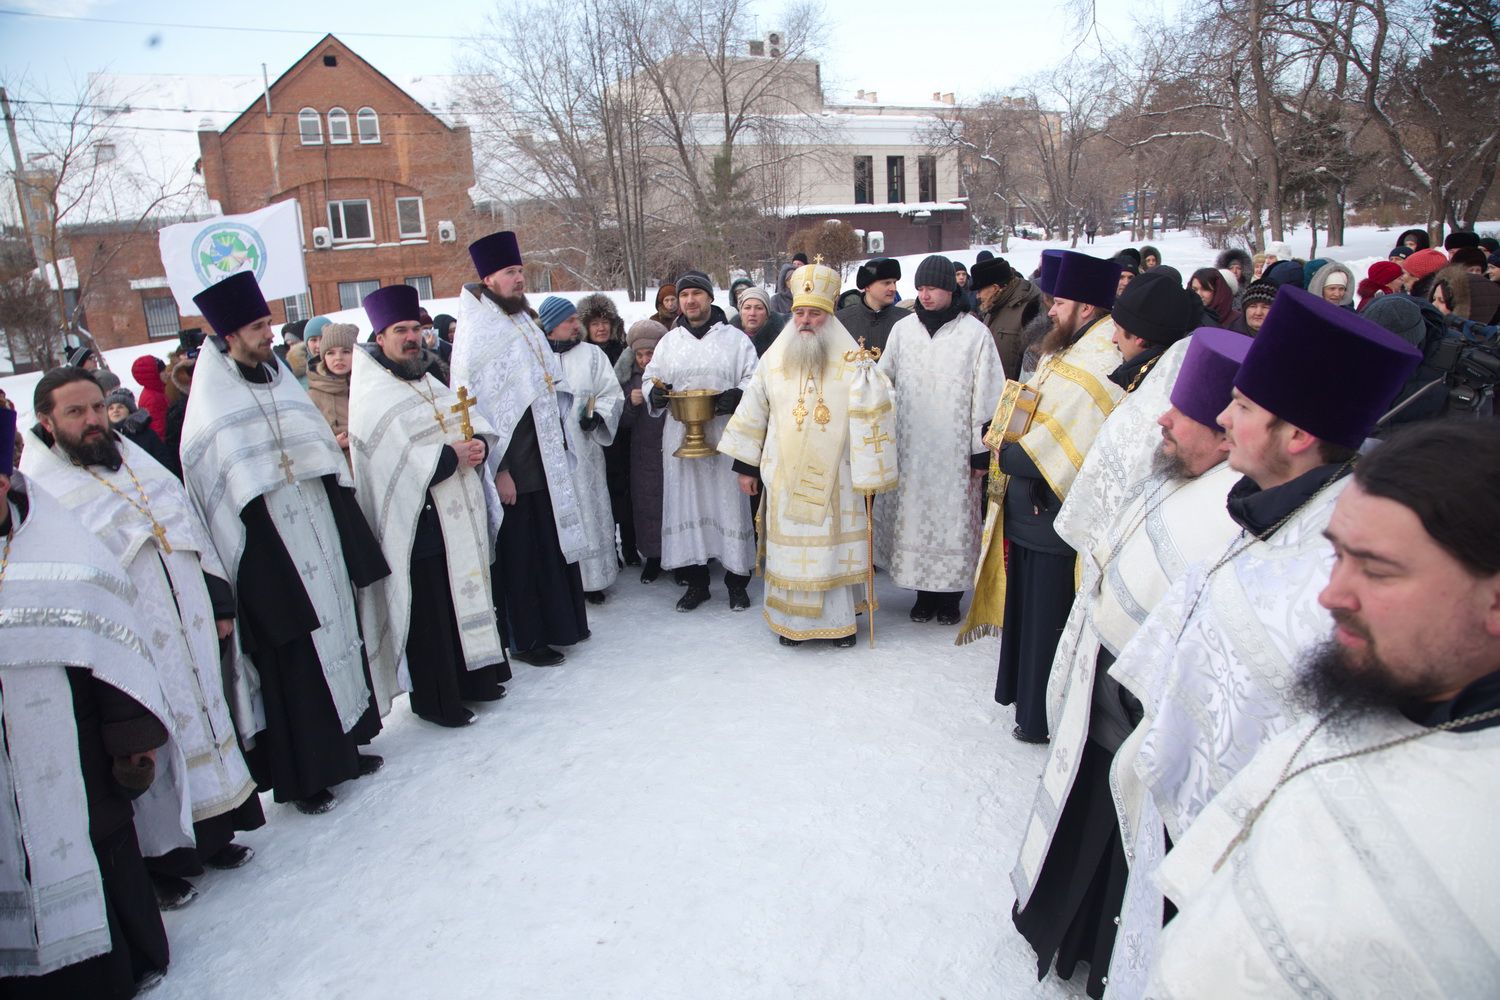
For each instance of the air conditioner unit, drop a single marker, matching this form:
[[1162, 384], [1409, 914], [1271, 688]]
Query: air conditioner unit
[[447, 233], [877, 242], [322, 238]]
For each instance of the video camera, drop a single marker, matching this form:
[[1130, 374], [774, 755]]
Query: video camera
[[1469, 359]]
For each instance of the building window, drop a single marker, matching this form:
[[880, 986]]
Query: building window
[[352, 293], [422, 283], [369, 125], [895, 179], [104, 152], [298, 307], [338, 126], [350, 221], [161, 317], [310, 124], [927, 178], [409, 219], [864, 180]]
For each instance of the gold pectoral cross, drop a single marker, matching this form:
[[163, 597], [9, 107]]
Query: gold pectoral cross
[[547, 377], [465, 403], [161, 536], [286, 467], [799, 412]]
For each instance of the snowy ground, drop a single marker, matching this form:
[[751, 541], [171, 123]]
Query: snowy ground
[[684, 809]]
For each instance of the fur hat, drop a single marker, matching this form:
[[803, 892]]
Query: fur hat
[[601, 306], [877, 269], [995, 271]]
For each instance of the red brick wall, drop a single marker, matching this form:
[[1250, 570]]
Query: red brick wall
[[260, 159], [107, 263]]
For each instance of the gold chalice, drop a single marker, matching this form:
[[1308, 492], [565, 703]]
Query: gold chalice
[[694, 408]]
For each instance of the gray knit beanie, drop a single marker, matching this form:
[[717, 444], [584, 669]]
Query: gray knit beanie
[[936, 272]]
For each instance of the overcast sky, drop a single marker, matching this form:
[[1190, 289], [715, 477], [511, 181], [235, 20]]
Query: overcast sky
[[967, 48]]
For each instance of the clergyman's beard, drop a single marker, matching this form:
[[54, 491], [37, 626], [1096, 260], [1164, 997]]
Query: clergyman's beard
[[512, 304], [806, 352], [1057, 338], [99, 450], [410, 369], [1169, 465], [1334, 684]]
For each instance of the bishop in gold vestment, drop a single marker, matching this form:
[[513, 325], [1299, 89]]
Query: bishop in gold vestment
[[815, 423]]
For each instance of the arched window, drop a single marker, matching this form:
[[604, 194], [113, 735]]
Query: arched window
[[369, 125], [310, 124], [338, 125]]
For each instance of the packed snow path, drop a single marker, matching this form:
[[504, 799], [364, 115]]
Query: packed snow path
[[684, 809]]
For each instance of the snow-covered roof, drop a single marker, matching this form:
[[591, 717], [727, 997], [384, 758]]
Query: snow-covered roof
[[899, 207]]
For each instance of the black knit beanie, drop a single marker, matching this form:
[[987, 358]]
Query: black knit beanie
[[936, 272]]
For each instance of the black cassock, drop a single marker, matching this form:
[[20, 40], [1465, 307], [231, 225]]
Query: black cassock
[[434, 651], [303, 749], [543, 603]]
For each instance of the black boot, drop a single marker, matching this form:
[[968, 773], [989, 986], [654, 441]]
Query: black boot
[[651, 570], [231, 855], [317, 802], [694, 597], [542, 656], [845, 641], [595, 596], [172, 893], [789, 642], [369, 763], [947, 608], [739, 599], [922, 611]]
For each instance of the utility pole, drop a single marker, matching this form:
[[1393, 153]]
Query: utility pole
[[34, 238]]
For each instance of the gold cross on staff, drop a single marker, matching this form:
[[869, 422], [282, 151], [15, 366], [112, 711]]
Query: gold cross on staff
[[818, 259], [863, 354], [161, 536], [465, 403], [286, 467]]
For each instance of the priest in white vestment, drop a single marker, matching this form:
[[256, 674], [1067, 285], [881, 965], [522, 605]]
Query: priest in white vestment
[[813, 427], [1212, 664], [704, 515], [1354, 855], [419, 478], [265, 474], [598, 402], [947, 374], [1071, 872], [90, 774], [140, 511], [534, 503]]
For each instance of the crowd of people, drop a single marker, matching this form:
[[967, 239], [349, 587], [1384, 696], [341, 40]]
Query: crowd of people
[[1226, 528]]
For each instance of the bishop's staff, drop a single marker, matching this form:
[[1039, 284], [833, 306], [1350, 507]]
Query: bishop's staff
[[872, 450]]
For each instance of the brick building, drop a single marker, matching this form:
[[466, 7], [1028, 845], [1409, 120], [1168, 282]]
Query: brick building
[[381, 182], [381, 176]]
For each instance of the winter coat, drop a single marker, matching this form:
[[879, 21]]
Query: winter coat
[[180, 383], [153, 397], [781, 302], [1328, 270], [875, 327], [767, 334], [645, 470], [1018, 303], [330, 394], [137, 429]]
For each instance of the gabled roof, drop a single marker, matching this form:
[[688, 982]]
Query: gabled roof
[[447, 121]]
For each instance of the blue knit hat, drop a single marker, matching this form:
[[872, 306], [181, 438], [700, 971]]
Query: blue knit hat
[[554, 310], [314, 327]]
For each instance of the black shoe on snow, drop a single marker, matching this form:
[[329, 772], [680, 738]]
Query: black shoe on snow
[[694, 597]]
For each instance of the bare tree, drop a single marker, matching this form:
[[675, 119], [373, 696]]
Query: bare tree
[[83, 170], [26, 309]]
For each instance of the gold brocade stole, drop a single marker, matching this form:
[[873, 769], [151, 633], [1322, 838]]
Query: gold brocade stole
[[808, 473]]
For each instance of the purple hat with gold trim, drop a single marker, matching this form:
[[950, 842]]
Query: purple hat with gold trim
[[1206, 378], [233, 303], [1048, 273], [495, 252], [1091, 280], [7, 440], [392, 304], [1324, 369]]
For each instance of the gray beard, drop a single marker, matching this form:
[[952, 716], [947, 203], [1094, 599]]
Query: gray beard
[[1168, 466], [806, 354], [410, 370]]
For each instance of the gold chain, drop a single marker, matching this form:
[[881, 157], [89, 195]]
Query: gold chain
[[1287, 774], [821, 414], [286, 462], [437, 414], [541, 359], [144, 506]]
